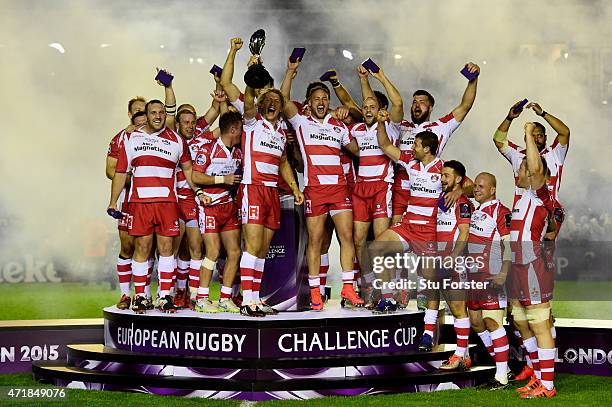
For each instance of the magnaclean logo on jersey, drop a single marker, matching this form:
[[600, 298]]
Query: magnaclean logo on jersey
[[152, 148], [418, 188], [273, 146], [324, 137], [589, 356], [474, 225], [368, 147]]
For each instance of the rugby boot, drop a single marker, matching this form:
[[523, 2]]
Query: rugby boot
[[456, 363], [166, 305], [139, 305], [124, 302], [348, 293]]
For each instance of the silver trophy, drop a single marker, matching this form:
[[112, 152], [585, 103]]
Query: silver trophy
[[257, 42], [256, 75]]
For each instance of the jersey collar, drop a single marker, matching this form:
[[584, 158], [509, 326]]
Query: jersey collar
[[487, 204]]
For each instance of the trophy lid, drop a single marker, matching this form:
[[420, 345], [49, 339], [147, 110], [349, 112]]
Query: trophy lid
[[257, 42]]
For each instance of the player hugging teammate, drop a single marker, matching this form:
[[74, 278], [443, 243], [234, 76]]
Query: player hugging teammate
[[198, 200]]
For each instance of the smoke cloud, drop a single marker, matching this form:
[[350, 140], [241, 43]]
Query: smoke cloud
[[62, 108]]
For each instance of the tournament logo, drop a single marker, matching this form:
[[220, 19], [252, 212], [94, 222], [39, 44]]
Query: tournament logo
[[465, 211], [254, 212], [508, 219], [200, 159]]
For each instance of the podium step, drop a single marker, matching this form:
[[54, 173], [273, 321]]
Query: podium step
[[100, 353], [62, 375]]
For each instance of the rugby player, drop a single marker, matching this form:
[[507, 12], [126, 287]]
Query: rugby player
[[452, 229], [263, 146], [321, 138], [443, 128], [124, 260], [216, 167], [489, 238], [152, 154], [531, 282]]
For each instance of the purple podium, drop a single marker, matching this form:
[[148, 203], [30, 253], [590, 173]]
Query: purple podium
[[292, 355]]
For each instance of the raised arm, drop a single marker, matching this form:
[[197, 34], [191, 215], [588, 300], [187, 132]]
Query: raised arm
[[364, 82], [290, 109], [218, 98], [534, 160], [396, 113], [227, 74], [469, 95], [250, 109], [500, 138], [343, 95], [563, 132], [384, 142], [170, 103]]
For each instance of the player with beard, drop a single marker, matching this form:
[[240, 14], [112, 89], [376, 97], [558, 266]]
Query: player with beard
[[531, 283], [215, 167], [152, 154], [321, 138], [417, 231], [554, 155], [124, 260], [489, 239], [453, 225], [443, 128], [263, 146]]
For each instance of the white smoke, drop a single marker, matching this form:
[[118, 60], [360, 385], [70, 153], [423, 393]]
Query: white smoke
[[62, 109]]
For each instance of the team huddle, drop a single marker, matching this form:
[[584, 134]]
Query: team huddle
[[197, 199]]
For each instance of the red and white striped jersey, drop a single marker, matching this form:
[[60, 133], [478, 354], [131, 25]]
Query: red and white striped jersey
[[555, 158], [152, 159], [321, 144], [183, 189], [447, 229], [529, 223], [425, 189], [217, 159], [489, 223], [443, 128], [374, 165], [262, 149], [113, 151]]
